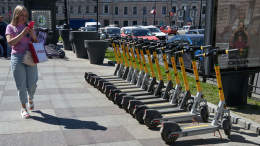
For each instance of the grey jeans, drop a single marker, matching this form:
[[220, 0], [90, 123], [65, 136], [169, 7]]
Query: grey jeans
[[25, 77]]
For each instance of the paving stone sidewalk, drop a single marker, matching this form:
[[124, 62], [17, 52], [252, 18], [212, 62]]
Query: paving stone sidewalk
[[68, 111]]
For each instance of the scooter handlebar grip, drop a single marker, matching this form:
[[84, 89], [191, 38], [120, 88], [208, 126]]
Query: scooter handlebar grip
[[232, 50], [205, 47], [200, 55], [178, 52]]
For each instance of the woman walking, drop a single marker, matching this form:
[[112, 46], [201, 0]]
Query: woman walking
[[18, 36]]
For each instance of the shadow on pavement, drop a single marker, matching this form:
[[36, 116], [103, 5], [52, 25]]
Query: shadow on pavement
[[68, 123], [217, 140]]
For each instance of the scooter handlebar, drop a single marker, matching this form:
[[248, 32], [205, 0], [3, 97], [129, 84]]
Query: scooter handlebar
[[205, 47], [200, 55], [178, 52]]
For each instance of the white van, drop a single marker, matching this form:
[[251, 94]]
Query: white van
[[92, 24]]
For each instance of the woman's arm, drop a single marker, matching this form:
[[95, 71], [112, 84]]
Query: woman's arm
[[34, 37], [11, 40]]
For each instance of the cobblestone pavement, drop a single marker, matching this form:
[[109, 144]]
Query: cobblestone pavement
[[68, 111]]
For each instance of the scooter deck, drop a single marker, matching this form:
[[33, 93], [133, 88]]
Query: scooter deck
[[146, 97], [154, 100], [140, 93], [165, 104], [178, 117], [132, 90], [125, 85], [107, 77], [198, 129], [171, 110]]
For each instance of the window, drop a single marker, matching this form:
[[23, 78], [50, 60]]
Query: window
[[195, 10], [95, 9], [134, 23], [174, 9], [134, 10], [125, 10], [87, 8], [116, 23], [106, 9], [203, 9], [163, 10], [186, 40], [144, 11], [116, 10], [3, 10], [57, 9], [79, 9], [173, 39], [181, 13], [192, 13], [71, 9], [125, 23]]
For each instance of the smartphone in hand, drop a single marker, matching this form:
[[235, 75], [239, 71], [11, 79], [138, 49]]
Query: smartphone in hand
[[31, 24]]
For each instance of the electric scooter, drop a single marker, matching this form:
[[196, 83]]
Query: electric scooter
[[140, 107], [149, 91], [171, 131], [152, 122], [132, 77], [121, 93], [143, 78]]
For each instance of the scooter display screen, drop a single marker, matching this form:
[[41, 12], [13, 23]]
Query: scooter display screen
[[41, 18], [237, 24]]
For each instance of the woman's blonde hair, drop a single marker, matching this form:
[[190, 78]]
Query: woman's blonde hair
[[18, 9]]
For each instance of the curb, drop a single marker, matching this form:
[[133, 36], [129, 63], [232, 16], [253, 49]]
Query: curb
[[112, 63], [236, 119]]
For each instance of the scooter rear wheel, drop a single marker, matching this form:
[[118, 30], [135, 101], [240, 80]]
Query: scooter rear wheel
[[125, 105], [147, 122], [166, 138]]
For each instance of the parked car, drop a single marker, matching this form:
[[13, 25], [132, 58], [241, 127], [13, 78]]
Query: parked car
[[162, 27], [139, 33], [126, 30], [185, 29], [156, 31], [195, 31], [107, 32], [169, 30], [190, 39]]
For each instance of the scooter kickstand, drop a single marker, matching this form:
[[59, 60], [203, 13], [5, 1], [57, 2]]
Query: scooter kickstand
[[219, 134], [197, 120]]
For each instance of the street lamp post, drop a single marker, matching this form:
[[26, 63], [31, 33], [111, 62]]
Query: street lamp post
[[200, 14], [65, 26], [97, 18]]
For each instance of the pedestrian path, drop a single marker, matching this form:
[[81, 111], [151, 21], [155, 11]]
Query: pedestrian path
[[68, 111]]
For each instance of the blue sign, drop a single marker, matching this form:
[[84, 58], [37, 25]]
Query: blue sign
[[189, 18]]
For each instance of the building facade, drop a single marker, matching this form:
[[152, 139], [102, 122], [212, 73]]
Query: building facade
[[123, 12]]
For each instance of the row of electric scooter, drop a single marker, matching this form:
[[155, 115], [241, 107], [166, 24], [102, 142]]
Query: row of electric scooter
[[148, 100]]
